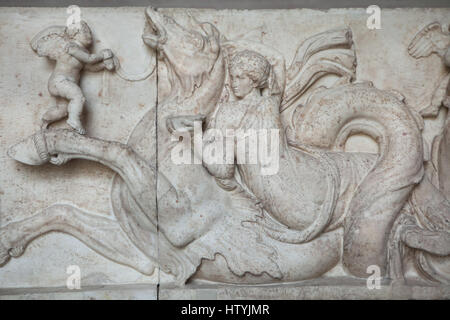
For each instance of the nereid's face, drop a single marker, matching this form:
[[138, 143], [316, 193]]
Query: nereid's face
[[241, 83]]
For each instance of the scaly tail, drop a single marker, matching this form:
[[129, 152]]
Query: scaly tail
[[329, 118]]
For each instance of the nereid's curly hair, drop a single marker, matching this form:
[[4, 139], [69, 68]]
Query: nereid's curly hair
[[253, 64]]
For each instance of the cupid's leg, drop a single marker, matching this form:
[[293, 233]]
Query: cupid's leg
[[101, 234], [55, 113], [72, 92]]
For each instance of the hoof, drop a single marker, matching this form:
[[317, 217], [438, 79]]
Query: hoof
[[9, 250], [16, 251], [31, 151], [147, 268]]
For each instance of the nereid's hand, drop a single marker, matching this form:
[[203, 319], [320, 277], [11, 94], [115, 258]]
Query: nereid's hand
[[183, 123]]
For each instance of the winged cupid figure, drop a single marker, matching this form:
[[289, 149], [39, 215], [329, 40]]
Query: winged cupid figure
[[434, 40], [69, 47]]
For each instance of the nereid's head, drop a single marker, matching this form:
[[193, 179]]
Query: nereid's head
[[249, 70]]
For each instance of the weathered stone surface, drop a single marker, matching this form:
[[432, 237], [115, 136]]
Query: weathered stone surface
[[113, 107], [342, 289], [112, 292], [355, 184]]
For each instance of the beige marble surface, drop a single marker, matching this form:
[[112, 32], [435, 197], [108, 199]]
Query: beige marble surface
[[24, 190], [114, 107]]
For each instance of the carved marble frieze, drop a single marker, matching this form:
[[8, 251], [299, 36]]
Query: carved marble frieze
[[225, 147]]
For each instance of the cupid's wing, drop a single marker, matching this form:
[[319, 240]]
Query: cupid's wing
[[326, 53], [431, 39], [50, 42]]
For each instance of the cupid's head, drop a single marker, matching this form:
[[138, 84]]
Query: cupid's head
[[249, 71], [80, 32]]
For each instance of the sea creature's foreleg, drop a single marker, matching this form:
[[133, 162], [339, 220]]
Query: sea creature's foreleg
[[100, 233]]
